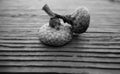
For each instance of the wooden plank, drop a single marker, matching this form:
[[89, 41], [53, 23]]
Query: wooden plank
[[60, 54], [96, 51], [74, 58], [45, 70], [60, 65], [73, 46]]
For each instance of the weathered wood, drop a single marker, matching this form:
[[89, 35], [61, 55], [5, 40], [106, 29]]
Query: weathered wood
[[96, 51]]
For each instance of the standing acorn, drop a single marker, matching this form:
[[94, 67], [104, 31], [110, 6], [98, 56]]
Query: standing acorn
[[54, 33], [79, 20]]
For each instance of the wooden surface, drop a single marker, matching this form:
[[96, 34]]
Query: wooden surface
[[95, 52]]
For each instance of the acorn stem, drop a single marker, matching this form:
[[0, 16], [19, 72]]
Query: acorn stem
[[52, 14], [48, 10]]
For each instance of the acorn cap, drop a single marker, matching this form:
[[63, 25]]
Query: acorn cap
[[55, 37], [81, 20]]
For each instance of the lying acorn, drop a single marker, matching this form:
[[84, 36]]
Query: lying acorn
[[79, 20], [54, 33]]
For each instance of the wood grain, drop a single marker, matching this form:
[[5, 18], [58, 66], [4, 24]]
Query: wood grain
[[95, 52]]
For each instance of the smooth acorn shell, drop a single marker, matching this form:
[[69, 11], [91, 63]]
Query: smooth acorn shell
[[55, 37], [81, 20]]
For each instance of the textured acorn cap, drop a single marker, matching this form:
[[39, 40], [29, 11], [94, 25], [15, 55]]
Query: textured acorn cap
[[81, 20], [55, 37]]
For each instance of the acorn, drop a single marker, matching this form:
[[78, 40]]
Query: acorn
[[56, 32], [79, 20]]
